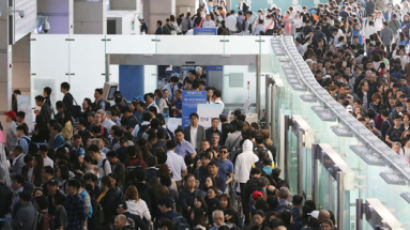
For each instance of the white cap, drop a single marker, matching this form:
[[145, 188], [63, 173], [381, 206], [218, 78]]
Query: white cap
[[314, 214]]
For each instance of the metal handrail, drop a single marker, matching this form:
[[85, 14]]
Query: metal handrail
[[353, 124]]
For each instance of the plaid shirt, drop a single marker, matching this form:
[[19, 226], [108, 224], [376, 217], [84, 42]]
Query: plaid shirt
[[75, 208]]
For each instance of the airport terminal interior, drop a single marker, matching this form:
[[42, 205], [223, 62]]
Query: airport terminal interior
[[204, 114]]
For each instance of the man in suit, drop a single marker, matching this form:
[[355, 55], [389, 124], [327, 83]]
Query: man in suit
[[43, 117], [194, 133], [68, 98]]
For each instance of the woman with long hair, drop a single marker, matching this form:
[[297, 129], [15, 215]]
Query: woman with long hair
[[231, 216], [136, 205], [67, 131], [160, 101]]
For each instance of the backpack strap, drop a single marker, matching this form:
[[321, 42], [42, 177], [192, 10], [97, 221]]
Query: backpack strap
[[103, 165], [236, 142], [27, 139], [142, 129]]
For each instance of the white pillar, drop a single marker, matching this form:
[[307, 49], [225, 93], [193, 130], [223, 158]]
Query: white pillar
[[155, 10], [21, 65], [184, 6], [90, 17], [5, 66]]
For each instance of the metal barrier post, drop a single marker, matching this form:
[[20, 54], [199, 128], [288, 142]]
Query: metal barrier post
[[300, 133], [359, 214], [340, 200], [107, 68], [258, 86]]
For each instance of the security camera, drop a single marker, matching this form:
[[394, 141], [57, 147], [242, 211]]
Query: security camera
[[46, 27], [21, 13]]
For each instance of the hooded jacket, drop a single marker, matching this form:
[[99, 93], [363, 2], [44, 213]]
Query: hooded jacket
[[244, 162]]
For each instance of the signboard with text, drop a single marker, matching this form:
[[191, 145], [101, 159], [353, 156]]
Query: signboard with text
[[205, 31], [190, 100], [207, 112]]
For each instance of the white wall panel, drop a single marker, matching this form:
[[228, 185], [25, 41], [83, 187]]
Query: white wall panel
[[26, 24]]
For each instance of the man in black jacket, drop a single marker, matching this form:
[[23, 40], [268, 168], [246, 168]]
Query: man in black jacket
[[43, 117], [68, 98], [5, 198]]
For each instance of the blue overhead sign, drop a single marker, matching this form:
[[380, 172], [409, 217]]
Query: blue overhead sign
[[205, 31], [190, 100]]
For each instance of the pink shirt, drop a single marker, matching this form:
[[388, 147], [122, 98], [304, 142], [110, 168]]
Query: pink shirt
[[2, 137]]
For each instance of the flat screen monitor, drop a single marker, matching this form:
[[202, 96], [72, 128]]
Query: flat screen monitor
[[111, 92]]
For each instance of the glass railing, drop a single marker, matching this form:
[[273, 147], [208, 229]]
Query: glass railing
[[376, 172]]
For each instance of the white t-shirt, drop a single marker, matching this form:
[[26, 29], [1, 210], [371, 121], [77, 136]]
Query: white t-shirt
[[231, 23], [208, 24], [176, 164], [48, 162], [194, 134], [103, 170]]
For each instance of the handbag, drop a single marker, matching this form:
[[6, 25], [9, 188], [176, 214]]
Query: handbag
[[76, 110]]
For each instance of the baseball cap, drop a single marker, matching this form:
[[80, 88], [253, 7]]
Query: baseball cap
[[53, 182], [257, 194], [11, 114]]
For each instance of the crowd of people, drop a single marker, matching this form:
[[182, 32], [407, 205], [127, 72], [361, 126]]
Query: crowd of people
[[119, 166], [215, 15], [359, 53]]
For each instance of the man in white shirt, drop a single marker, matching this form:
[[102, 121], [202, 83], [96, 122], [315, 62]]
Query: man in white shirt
[[104, 167], [194, 133], [175, 163], [231, 22], [47, 160], [369, 29], [106, 122], [149, 100], [218, 99], [208, 23]]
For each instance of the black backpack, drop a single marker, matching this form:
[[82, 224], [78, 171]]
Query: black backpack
[[97, 218], [38, 220], [32, 147], [180, 223]]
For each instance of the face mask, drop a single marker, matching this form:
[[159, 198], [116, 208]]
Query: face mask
[[267, 170]]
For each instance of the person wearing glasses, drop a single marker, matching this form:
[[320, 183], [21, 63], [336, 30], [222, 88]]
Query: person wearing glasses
[[225, 165]]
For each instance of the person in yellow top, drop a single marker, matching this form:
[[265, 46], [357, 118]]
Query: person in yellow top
[[67, 131]]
